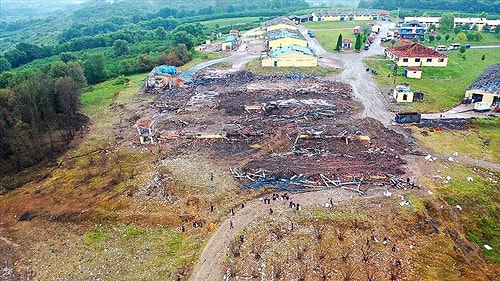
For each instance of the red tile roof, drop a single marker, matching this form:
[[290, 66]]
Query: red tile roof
[[414, 68], [415, 50], [346, 41]]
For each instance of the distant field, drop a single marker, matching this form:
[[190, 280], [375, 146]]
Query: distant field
[[230, 21], [328, 38], [443, 87]]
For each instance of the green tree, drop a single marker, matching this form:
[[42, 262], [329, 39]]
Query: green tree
[[393, 42], [67, 56], [182, 37], [483, 57], [497, 29], [120, 47], [339, 43], [161, 33], [357, 43], [462, 36], [486, 27], [447, 21], [438, 37], [462, 49], [447, 37], [16, 57], [145, 63], [457, 29], [4, 65], [126, 67], [94, 69], [431, 38]]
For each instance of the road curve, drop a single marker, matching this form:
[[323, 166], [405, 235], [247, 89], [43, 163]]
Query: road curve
[[210, 265], [354, 73]]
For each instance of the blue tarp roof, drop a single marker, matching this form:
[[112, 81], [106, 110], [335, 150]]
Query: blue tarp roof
[[166, 69], [290, 49]]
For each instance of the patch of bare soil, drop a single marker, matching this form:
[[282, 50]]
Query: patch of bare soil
[[282, 126]]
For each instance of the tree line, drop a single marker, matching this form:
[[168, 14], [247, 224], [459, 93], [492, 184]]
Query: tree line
[[40, 84], [39, 114]]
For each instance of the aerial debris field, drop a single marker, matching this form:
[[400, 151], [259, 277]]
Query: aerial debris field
[[290, 131]]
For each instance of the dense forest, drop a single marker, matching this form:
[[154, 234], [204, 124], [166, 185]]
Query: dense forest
[[467, 6], [40, 83]]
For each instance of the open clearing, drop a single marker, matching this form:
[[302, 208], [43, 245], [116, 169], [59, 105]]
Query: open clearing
[[116, 209]]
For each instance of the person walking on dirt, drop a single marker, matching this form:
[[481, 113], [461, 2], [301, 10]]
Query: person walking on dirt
[[231, 224]]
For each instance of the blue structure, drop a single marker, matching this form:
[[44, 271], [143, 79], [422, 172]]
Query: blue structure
[[165, 69], [412, 29]]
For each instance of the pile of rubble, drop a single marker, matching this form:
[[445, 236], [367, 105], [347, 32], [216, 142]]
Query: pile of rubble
[[281, 127]]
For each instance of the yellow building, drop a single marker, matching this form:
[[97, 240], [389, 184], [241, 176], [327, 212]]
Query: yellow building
[[486, 88], [285, 37], [228, 44], [333, 15], [280, 23], [295, 56], [403, 93], [280, 26], [413, 72], [415, 54]]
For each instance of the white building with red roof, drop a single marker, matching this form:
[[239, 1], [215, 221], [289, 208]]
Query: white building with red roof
[[416, 54]]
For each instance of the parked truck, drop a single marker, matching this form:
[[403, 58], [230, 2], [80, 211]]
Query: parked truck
[[407, 118], [481, 106]]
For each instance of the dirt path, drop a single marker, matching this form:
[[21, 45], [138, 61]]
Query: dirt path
[[354, 73], [210, 264]]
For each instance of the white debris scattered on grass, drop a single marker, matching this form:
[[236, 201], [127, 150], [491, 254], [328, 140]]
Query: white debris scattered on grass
[[455, 154], [448, 178], [450, 159], [404, 203], [430, 192], [459, 207], [470, 178], [488, 247], [387, 193], [430, 158], [492, 180]]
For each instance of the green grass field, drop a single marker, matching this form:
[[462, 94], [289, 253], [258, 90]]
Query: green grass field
[[327, 33], [444, 87]]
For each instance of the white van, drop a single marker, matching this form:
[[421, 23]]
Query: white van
[[441, 48]]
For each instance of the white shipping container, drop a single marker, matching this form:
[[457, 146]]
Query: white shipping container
[[481, 106]]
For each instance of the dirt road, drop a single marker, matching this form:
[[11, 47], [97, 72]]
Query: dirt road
[[210, 265], [354, 73]]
